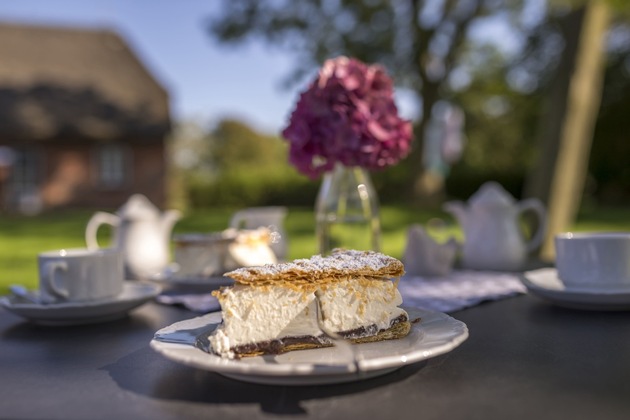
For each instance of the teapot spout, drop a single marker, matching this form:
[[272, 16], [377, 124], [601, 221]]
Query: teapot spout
[[169, 218], [457, 209]]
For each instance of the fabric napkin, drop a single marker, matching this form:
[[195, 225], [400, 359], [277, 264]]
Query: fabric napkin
[[458, 290]]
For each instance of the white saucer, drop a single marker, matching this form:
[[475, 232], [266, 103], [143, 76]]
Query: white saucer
[[133, 295], [191, 280], [545, 284], [172, 277], [436, 333]]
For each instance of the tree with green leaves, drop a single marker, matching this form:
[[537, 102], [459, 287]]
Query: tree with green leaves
[[235, 146], [426, 46], [418, 41]]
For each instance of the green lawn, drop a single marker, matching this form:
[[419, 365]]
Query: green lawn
[[21, 238]]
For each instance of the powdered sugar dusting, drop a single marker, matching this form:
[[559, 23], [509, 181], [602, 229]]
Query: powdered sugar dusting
[[339, 263]]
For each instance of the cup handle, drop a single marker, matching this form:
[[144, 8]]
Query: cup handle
[[538, 209], [49, 278], [98, 219]]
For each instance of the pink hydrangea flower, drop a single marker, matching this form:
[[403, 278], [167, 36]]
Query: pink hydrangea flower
[[347, 115]]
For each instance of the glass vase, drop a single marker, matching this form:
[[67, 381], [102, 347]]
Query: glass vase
[[347, 211]]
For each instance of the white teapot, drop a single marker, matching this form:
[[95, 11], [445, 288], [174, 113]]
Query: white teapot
[[493, 238], [141, 232]]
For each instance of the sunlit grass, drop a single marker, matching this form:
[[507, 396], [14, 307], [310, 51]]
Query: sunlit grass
[[22, 238]]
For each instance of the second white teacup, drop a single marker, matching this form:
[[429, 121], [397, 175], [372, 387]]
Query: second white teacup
[[199, 254], [598, 260], [69, 275]]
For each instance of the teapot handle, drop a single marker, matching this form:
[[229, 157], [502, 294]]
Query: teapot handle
[[99, 218], [538, 208], [240, 219]]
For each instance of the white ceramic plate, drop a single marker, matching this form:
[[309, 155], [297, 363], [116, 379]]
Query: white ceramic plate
[[545, 284], [133, 295], [435, 334]]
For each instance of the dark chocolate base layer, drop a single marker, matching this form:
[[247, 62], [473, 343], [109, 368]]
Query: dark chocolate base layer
[[398, 328]]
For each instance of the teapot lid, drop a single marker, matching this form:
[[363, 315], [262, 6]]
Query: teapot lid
[[492, 193], [138, 207]]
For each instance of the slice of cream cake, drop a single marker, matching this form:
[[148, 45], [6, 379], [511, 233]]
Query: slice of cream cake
[[271, 309]]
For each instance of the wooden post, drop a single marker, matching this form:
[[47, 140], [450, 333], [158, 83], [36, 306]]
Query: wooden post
[[578, 123]]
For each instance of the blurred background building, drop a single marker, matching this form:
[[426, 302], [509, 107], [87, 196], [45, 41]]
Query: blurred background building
[[83, 122]]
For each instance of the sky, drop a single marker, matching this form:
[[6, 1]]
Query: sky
[[206, 81]]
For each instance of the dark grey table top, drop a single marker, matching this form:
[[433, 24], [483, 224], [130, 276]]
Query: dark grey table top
[[524, 359]]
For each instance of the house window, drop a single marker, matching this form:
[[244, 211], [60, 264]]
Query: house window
[[23, 182], [112, 166], [24, 173]]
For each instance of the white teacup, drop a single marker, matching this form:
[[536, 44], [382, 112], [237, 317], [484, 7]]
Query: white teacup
[[199, 254], [69, 275], [272, 218], [593, 260]]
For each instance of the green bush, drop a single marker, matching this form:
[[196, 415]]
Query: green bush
[[462, 182], [253, 186]]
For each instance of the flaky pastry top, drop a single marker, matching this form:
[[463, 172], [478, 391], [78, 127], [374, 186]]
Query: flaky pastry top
[[340, 265]]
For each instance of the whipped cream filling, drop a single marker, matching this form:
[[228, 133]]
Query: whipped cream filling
[[253, 314]]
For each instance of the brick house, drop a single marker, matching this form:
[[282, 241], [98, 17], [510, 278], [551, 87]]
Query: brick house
[[82, 121]]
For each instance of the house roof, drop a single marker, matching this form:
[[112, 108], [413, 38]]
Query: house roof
[[74, 83]]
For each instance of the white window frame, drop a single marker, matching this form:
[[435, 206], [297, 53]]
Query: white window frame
[[25, 170], [112, 166]]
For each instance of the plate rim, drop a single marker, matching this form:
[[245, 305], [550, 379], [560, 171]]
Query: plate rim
[[612, 300], [458, 333], [198, 280], [526, 278], [76, 313], [128, 286], [192, 280]]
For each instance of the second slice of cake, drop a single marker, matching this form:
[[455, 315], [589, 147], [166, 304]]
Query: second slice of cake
[[272, 309]]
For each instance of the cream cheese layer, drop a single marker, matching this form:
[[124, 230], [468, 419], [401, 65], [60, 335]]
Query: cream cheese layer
[[254, 314]]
